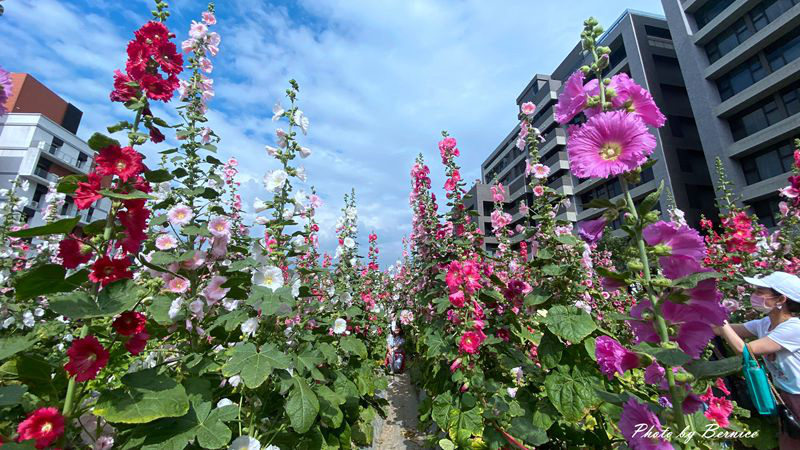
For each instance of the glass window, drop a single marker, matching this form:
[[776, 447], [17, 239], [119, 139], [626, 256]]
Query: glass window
[[791, 99], [740, 78], [728, 40], [784, 51], [709, 11], [769, 10], [768, 163], [766, 210], [755, 118]]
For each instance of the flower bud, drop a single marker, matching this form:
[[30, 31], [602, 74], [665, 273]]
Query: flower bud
[[662, 250], [585, 70], [635, 265], [602, 62], [661, 282], [603, 50], [651, 217], [684, 377]]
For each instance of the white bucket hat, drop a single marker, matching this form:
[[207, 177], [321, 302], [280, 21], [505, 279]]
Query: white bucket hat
[[785, 283]]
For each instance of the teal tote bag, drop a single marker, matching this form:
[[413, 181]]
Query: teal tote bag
[[757, 385]]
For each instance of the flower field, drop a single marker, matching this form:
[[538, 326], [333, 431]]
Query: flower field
[[175, 323]]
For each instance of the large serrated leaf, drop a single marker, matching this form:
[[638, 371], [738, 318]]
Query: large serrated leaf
[[144, 397], [254, 366], [354, 346], [302, 406], [14, 344], [571, 394], [47, 279], [62, 226], [117, 297], [569, 323]]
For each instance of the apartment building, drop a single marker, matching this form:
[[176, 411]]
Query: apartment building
[[38, 143], [740, 60]]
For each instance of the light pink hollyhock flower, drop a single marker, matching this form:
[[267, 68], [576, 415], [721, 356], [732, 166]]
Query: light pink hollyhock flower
[[208, 18], [634, 415], [563, 229], [523, 130], [538, 190], [789, 192], [314, 201], [212, 43], [205, 135], [219, 227], [609, 144], [500, 219], [180, 214], [178, 285], [540, 171], [166, 242], [572, 100], [523, 208], [784, 208], [637, 100], [528, 108], [613, 357], [206, 65], [214, 292], [188, 45], [195, 262], [219, 247], [521, 143], [197, 30]]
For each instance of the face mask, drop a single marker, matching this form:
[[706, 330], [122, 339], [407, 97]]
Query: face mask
[[759, 304]]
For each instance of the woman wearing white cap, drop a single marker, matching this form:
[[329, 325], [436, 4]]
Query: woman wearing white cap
[[777, 337]]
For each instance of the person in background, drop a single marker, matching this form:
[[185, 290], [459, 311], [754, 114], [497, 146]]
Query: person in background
[[776, 337], [395, 357]]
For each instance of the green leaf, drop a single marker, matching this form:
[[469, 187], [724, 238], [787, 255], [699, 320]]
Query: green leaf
[[536, 297], [329, 402], [522, 427], [553, 270], [691, 281], [47, 279], [667, 356], [599, 203], [159, 310], [117, 297], [713, 369], [545, 415], [100, 141], [447, 444], [567, 239], [612, 397], [62, 226], [255, 367], [569, 323], [144, 397], [132, 195], [550, 350], [69, 184], [14, 344], [354, 346], [158, 176], [571, 394], [302, 406], [441, 409], [464, 424], [12, 394]]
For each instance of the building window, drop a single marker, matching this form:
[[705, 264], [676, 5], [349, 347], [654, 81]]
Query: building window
[[766, 210], [768, 163], [740, 78], [709, 11], [612, 188], [769, 10], [657, 32], [728, 40], [765, 113], [784, 51]]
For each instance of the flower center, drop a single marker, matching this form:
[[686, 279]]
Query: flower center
[[47, 427], [108, 270], [611, 151], [121, 165]]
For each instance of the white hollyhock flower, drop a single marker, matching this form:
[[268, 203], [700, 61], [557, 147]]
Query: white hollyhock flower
[[298, 241], [351, 212], [245, 443], [283, 138], [349, 242], [512, 392], [25, 185], [260, 205], [275, 180], [8, 322], [339, 326], [300, 173], [175, 308], [250, 326], [224, 402], [288, 213], [277, 111], [305, 152], [28, 320], [234, 381], [262, 220], [296, 288], [301, 121], [270, 276], [272, 151]]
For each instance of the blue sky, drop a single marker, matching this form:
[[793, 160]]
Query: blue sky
[[379, 81]]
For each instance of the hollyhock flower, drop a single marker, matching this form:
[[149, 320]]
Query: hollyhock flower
[[275, 180], [245, 443], [208, 18], [86, 358], [540, 171], [609, 144], [637, 100], [124, 162], [349, 242], [691, 404], [498, 193], [693, 323], [219, 227], [277, 111], [134, 222], [635, 414], [214, 292], [528, 108], [178, 285], [592, 230], [500, 219], [137, 343], [680, 240], [45, 426], [470, 342], [305, 152], [206, 65], [339, 326], [654, 374], [187, 46], [180, 214], [271, 277], [5, 89], [166, 242], [538, 190], [613, 357], [452, 182], [123, 92], [572, 99], [197, 30], [106, 270], [249, 327], [457, 299], [455, 365], [301, 121], [88, 191], [719, 408], [129, 323], [73, 253], [195, 262]]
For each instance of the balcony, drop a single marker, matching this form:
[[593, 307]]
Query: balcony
[[44, 174], [61, 155]]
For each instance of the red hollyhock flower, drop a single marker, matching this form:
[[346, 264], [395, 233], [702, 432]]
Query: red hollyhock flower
[[158, 88], [129, 323], [124, 162], [86, 358], [135, 222], [156, 135], [122, 91], [73, 253], [140, 184], [87, 192], [137, 342], [106, 270], [168, 58], [45, 425]]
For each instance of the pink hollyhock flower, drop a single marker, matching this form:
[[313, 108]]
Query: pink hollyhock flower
[[719, 408], [186, 47], [45, 426], [654, 374], [166, 242], [73, 253], [88, 191], [637, 100], [693, 323], [528, 108], [691, 404], [540, 171], [197, 30], [219, 247], [523, 130], [470, 342], [613, 357], [498, 193], [129, 323], [634, 415], [206, 65], [178, 285], [455, 365], [538, 190], [523, 208], [572, 100], [457, 299], [137, 342], [520, 143], [452, 182], [591, 231], [86, 358], [610, 143], [214, 292], [208, 18], [500, 219], [180, 214], [680, 239], [219, 227]]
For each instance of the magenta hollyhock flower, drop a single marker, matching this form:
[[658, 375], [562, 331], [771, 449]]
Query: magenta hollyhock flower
[[609, 144], [637, 100], [457, 299], [471, 341], [654, 374], [694, 330], [682, 240], [592, 230], [136, 343], [5, 89], [572, 100], [45, 426], [634, 415], [613, 357], [691, 404]]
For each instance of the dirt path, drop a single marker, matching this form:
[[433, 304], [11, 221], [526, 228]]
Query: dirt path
[[400, 429]]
